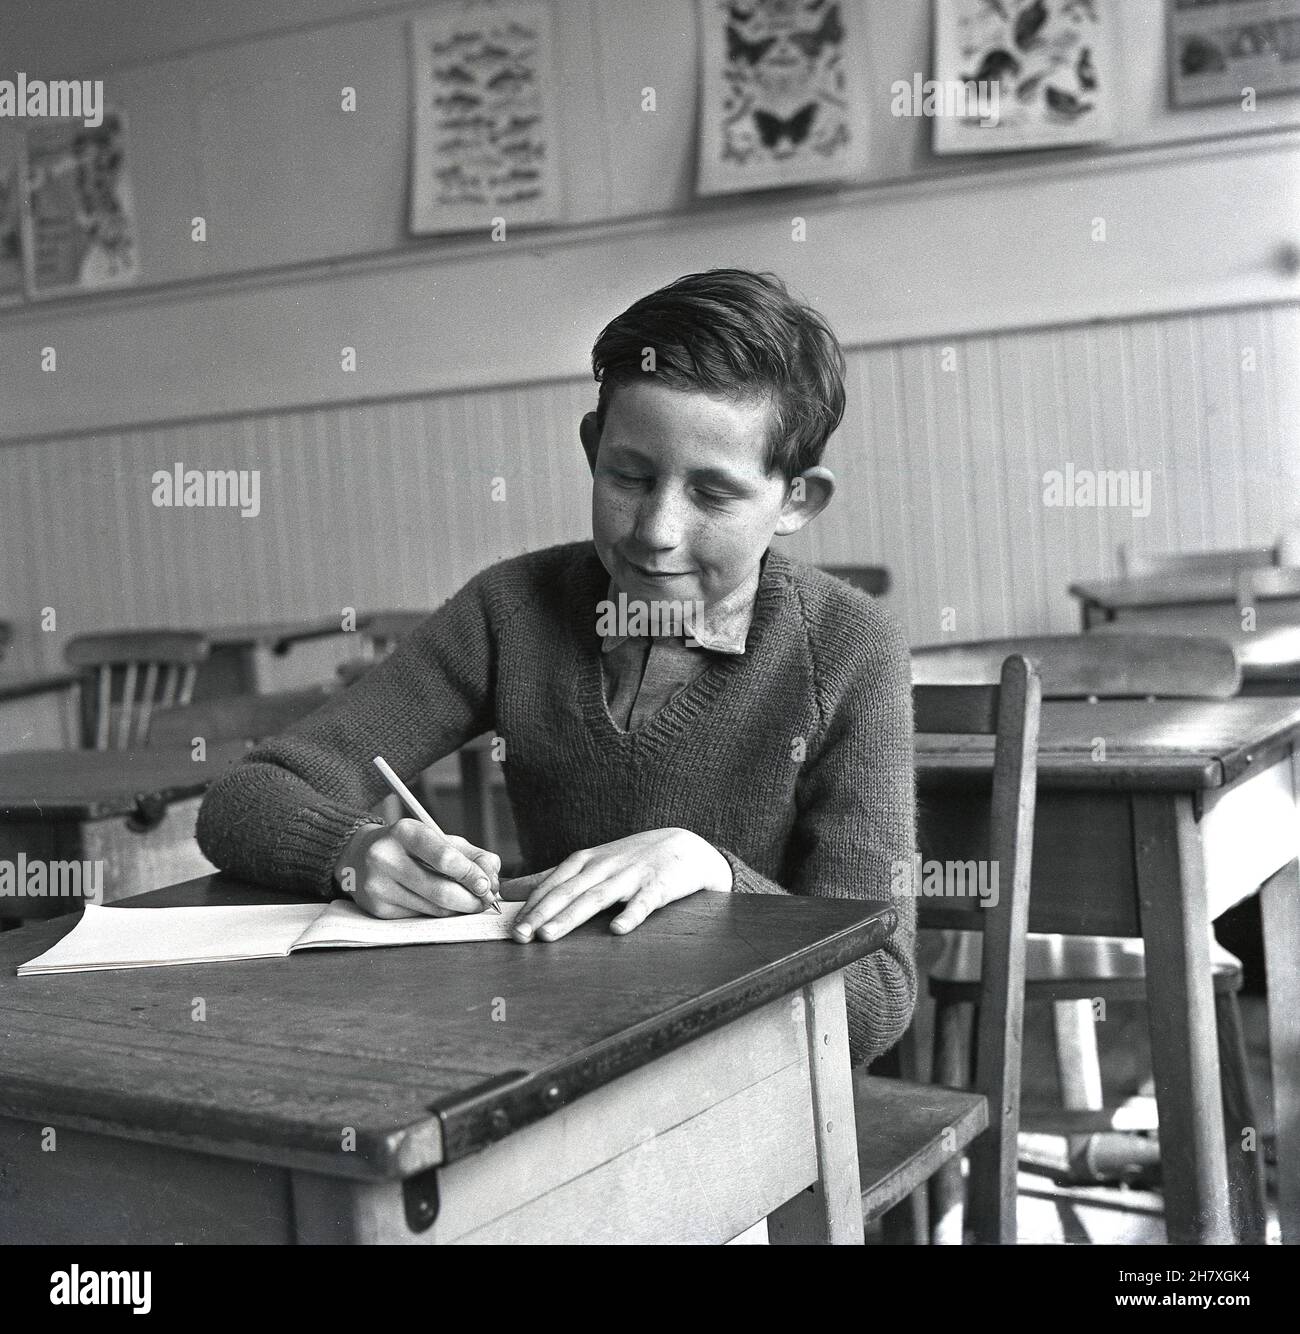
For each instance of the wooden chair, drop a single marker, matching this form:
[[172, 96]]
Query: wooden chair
[[1071, 972], [237, 717], [908, 1131], [1274, 583], [1087, 666], [1133, 564], [872, 579], [126, 675]]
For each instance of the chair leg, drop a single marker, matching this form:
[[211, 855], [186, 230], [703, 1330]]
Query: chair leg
[[1078, 1065], [952, 1058], [908, 1222], [1244, 1147]]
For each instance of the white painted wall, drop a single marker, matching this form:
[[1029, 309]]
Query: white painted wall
[[1122, 353]]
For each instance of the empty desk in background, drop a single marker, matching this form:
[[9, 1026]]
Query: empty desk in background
[[679, 1083], [1153, 818], [36, 711], [133, 810], [1269, 656], [1141, 601], [250, 659]]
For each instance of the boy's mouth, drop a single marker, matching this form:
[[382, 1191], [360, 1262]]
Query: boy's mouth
[[656, 574]]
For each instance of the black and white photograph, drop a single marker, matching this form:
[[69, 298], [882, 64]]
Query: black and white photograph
[[648, 623]]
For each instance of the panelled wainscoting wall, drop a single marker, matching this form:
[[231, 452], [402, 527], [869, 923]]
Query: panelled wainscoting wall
[[942, 460]]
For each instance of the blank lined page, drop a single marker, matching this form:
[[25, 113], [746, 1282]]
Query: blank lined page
[[157, 937]]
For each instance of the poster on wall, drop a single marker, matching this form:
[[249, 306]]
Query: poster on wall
[[783, 93], [1226, 50], [484, 146], [1015, 74], [11, 248], [79, 224]]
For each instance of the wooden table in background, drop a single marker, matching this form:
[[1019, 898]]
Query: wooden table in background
[[133, 810], [1138, 600], [680, 1083], [1269, 656], [246, 659], [1153, 818]]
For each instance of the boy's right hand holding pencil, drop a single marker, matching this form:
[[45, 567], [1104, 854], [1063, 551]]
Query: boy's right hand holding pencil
[[406, 869], [412, 868]]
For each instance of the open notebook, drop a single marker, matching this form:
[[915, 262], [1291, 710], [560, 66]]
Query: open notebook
[[157, 937]]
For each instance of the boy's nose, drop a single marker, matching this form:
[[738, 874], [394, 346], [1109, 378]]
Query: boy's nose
[[659, 523]]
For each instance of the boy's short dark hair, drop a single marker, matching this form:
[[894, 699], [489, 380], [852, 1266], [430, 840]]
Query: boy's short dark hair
[[738, 334]]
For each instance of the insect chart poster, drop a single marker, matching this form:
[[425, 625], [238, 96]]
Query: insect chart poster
[[783, 89], [1049, 63], [485, 114]]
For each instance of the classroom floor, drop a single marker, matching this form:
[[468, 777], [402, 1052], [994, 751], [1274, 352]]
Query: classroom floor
[[1115, 1215]]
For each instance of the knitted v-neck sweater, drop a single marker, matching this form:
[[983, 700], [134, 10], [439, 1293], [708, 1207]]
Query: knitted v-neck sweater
[[793, 759]]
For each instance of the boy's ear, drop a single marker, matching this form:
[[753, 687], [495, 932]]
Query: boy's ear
[[590, 439], [807, 495]]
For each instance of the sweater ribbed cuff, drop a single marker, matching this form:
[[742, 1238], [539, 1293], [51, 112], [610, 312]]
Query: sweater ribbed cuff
[[310, 849], [746, 880]]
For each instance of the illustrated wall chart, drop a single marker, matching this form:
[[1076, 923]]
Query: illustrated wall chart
[[78, 217], [483, 80], [1222, 50], [783, 93], [1045, 66]]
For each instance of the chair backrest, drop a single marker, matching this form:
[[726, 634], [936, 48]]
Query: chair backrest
[[1107, 665], [1273, 583], [873, 579], [1009, 712], [6, 638], [126, 675], [237, 717], [1228, 561]]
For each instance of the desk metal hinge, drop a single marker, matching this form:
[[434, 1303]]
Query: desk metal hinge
[[420, 1199]]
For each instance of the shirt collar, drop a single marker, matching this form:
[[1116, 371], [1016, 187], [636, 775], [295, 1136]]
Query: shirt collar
[[722, 628]]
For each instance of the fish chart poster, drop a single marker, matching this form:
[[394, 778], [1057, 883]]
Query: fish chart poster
[[485, 118], [1048, 64], [783, 93], [79, 222]]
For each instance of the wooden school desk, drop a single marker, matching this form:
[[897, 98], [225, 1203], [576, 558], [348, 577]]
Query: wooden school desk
[[1152, 819], [1135, 598], [133, 810], [246, 659], [36, 710], [679, 1083], [1269, 656]]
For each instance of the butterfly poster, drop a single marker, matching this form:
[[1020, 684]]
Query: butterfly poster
[[1045, 68], [485, 106], [784, 96]]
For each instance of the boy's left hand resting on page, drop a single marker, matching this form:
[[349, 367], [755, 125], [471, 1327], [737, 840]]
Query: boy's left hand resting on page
[[645, 871]]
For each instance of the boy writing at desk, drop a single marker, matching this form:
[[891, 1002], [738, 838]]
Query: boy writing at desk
[[767, 749]]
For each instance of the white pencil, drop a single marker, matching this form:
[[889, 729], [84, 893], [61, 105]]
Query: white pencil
[[413, 805]]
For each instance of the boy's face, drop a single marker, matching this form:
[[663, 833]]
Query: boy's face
[[682, 504]]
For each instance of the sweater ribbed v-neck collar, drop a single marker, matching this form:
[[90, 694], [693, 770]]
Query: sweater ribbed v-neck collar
[[694, 699]]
